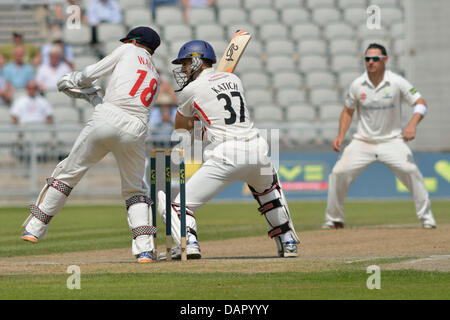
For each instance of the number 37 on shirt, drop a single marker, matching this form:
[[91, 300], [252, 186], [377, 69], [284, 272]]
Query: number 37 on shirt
[[148, 93]]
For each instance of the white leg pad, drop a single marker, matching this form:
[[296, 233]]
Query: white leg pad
[[275, 208], [50, 202], [141, 229]]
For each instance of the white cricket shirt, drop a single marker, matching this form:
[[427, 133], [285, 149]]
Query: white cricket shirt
[[218, 99], [134, 82], [31, 109], [379, 109]]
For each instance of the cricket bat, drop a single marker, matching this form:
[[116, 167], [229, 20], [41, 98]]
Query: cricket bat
[[234, 51]]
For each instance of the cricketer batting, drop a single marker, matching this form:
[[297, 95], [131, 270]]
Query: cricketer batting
[[236, 152]]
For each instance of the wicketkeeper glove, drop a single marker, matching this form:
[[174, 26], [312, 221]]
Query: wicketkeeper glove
[[68, 85]]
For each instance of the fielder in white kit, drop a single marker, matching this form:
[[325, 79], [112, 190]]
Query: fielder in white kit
[[218, 99], [118, 125], [376, 96]]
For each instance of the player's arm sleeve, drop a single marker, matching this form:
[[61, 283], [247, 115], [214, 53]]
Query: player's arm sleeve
[[186, 104], [99, 69], [351, 100], [408, 92]]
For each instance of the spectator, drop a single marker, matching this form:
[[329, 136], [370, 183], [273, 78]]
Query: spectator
[[57, 40], [31, 107], [31, 53], [99, 11], [156, 3], [6, 91], [17, 72], [187, 4], [49, 73]]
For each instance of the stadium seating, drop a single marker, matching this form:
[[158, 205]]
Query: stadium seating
[[313, 62], [58, 99], [301, 112], [279, 47], [267, 113], [292, 16], [78, 36], [273, 31], [252, 80], [287, 79], [133, 3], [311, 46], [210, 31], [178, 32], [320, 79], [305, 30], [258, 96], [290, 96], [287, 4], [66, 115], [278, 63], [82, 61], [322, 95], [302, 51], [197, 16], [109, 31], [343, 46], [222, 4], [261, 16], [338, 30], [254, 4], [330, 111], [314, 4], [137, 16], [229, 16], [168, 15]]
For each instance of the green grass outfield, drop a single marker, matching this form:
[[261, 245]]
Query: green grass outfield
[[79, 228]]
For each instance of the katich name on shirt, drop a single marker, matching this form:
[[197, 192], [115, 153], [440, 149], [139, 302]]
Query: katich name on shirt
[[225, 86]]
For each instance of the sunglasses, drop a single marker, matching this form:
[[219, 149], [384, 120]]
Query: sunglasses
[[375, 58]]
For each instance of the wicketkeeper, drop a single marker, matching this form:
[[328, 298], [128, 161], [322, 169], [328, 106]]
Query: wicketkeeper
[[118, 125]]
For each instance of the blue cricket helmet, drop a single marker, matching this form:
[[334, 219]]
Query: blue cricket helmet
[[196, 48]]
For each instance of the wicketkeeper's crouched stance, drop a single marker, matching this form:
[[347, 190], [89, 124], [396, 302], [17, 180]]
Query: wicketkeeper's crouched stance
[[236, 152], [118, 125]]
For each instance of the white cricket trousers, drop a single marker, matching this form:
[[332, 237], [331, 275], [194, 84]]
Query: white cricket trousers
[[229, 162], [110, 129], [357, 156]]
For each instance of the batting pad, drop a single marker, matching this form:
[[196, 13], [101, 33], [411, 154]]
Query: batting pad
[[141, 230]]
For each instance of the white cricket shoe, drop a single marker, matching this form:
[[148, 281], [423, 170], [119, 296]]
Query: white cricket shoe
[[290, 250], [331, 225], [192, 252], [29, 237]]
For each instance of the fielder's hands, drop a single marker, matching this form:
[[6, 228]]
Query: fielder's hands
[[409, 133], [92, 94], [337, 144]]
